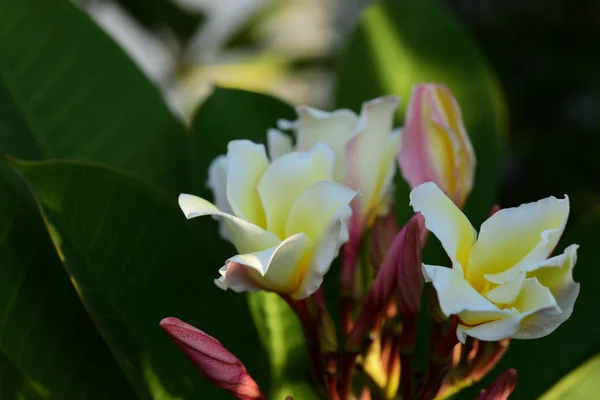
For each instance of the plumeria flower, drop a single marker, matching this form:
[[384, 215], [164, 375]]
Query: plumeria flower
[[286, 218], [364, 145], [435, 144], [502, 283]]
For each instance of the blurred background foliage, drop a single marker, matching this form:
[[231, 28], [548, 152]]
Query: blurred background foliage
[[99, 142]]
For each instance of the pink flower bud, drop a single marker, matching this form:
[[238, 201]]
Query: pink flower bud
[[502, 387], [212, 360], [435, 145], [404, 251]]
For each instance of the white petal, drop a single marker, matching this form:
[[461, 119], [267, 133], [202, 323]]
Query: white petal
[[246, 237], [278, 269], [325, 251], [491, 331], [287, 177], [333, 129], [371, 153], [315, 208], [455, 294], [247, 163], [217, 182], [446, 221], [278, 144], [507, 292], [512, 238]]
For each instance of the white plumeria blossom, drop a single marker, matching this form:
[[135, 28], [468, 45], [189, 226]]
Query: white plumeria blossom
[[286, 218], [365, 148], [502, 283]]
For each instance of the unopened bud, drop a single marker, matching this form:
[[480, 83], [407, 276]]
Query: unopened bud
[[502, 387], [212, 360]]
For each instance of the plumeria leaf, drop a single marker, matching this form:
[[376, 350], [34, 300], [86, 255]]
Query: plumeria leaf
[[400, 43], [68, 91], [45, 332], [134, 259]]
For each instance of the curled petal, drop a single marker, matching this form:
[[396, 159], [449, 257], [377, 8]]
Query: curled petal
[[513, 238], [245, 236], [278, 269], [212, 360], [446, 221]]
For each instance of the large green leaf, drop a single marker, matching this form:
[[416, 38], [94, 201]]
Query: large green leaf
[[403, 42], [45, 332], [78, 95], [134, 260], [13, 385], [583, 383], [226, 115]]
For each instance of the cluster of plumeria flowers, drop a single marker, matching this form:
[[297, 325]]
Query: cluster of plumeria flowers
[[322, 186]]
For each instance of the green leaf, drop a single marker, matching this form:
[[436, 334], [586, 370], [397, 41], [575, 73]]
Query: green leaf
[[280, 333], [134, 260], [13, 385], [583, 383], [226, 115], [45, 332], [75, 94], [403, 42]]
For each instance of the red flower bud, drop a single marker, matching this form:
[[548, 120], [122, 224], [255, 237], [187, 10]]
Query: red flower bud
[[212, 360], [502, 387]]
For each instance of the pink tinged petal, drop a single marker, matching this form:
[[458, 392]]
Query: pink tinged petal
[[436, 147], [455, 294], [247, 163], [502, 387], [246, 237], [217, 182], [371, 153], [279, 269], [446, 221], [212, 360], [417, 162], [334, 129], [278, 144], [513, 238], [287, 177]]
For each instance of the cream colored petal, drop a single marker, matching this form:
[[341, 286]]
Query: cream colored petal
[[279, 269], [217, 182], [512, 238], [246, 237], [333, 129], [314, 209], [446, 221], [287, 177], [454, 292], [247, 162], [541, 313], [555, 272], [507, 292], [325, 251], [278, 144], [368, 153], [491, 331]]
